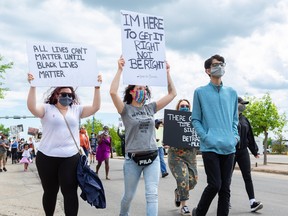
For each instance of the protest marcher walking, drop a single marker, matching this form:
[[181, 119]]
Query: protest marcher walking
[[215, 119], [183, 165], [242, 156], [57, 156], [139, 123]]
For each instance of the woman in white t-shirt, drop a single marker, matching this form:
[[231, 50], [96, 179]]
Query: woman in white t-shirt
[[57, 155], [140, 139]]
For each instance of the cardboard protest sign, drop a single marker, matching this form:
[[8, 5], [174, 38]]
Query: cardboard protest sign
[[178, 130], [33, 131], [143, 48], [62, 64]]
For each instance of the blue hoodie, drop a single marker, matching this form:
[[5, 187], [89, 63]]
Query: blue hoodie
[[215, 118]]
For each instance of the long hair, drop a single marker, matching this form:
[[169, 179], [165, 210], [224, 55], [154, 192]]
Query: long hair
[[128, 97], [52, 97], [178, 104]]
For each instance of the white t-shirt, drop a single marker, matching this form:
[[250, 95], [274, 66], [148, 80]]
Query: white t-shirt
[[56, 139]]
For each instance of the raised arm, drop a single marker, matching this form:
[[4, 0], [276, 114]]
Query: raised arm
[[36, 110], [171, 91], [90, 110], [118, 103]]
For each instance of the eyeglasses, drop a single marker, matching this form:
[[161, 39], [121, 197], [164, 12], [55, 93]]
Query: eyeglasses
[[218, 64], [65, 94], [183, 106]]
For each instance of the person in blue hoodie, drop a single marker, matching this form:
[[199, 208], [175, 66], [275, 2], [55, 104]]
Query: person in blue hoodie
[[215, 119]]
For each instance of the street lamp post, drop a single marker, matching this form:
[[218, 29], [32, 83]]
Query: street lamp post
[[93, 120]]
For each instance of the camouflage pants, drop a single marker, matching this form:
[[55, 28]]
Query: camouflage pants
[[183, 166]]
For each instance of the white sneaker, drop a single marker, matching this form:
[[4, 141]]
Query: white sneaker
[[185, 211]]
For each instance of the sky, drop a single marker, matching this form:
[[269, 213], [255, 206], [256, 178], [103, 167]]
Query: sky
[[251, 35]]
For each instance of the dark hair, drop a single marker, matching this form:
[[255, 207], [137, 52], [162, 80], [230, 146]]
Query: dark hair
[[128, 97], [208, 62], [178, 104], [52, 97]]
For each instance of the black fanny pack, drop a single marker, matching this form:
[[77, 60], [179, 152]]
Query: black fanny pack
[[145, 158]]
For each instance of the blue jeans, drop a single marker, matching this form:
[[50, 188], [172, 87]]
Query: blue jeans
[[132, 173], [162, 162]]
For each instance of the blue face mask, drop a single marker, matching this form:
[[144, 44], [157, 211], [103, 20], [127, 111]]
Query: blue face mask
[[185, 109], [65, 101]]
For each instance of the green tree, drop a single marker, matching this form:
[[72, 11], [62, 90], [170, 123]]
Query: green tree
[[3, 68], [264, 118], [4, 130], [98, 126]]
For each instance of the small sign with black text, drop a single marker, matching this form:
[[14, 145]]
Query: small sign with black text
[[178, 130]]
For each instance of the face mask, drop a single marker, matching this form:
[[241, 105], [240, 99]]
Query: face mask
[[65, 101], [185, 109], [140, 96], [241, 108], [218, 71]]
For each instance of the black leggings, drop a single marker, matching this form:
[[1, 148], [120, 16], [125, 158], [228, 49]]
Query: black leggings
[[58, 172]]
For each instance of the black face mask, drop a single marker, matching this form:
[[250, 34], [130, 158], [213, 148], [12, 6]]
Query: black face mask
[[241, 108]]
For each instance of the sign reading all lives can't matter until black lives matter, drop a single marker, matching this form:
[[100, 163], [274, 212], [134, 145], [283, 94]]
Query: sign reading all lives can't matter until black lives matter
[[178, 130], [62, 64]]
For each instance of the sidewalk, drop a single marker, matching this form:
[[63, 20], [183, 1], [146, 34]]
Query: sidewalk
[[21, 192]]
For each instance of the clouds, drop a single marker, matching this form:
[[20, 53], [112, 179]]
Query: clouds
[[251, 35]]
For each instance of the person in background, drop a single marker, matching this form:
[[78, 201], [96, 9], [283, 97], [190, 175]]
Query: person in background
[[14, 149], [84, 141], [26, 156], [122, 138], [215, 119], [183, 165], [57, 156], [3, 153], [159, 140], [104, 150], [93, 144], [138, 119], [31, 143], [242, 156]]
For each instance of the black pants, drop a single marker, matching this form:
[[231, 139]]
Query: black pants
[[243, 159], [218, 169], [56, 172]]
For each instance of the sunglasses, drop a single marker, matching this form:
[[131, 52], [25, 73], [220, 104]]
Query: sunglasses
[[183, 106], [65, 94]]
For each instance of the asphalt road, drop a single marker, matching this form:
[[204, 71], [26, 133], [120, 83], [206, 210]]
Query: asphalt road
[[270, 189]]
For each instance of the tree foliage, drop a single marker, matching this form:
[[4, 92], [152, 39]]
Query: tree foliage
[[264, 118], [98, 126], [4, 130], [3, 68]]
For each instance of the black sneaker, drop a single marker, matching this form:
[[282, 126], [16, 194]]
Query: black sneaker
[[185, 211], [5, 170], [177, 198], [256, 206], [165, 174], [194, 212]]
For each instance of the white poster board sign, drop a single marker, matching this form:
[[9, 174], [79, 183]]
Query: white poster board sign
[[143, 48], [62, 64]]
